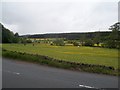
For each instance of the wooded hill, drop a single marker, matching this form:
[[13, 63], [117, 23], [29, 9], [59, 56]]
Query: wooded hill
[[71, 36]]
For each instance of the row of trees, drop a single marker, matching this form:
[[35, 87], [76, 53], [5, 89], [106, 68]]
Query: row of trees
[[109, 40]]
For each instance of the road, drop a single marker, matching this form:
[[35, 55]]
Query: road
[[19, 74]]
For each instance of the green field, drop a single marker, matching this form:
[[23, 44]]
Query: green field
[[90, 55]]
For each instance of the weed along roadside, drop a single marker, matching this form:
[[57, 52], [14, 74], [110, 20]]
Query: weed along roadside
[[45, 60]]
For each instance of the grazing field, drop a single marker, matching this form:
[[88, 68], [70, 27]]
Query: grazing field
[[89, 55]]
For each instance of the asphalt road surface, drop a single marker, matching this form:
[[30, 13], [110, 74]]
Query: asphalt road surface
[[19, 74]]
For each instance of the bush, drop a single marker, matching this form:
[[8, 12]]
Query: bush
[[76, 44], [102, 45], [58, 42], [88, 43], [28, 41]]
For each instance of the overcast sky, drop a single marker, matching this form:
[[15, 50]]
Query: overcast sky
[[59, 16]]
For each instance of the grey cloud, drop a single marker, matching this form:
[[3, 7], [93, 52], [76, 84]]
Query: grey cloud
[[31, 18]]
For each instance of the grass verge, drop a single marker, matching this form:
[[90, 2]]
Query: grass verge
[[45, 60]]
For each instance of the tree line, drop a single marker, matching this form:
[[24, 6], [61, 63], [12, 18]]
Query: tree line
[[8, 36], [108, 39]]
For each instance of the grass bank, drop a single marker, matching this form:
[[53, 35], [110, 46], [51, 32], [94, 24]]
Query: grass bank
[[46, 60]]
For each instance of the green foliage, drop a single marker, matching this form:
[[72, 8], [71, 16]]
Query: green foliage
[[88, 43], [97, 38], [25, 40], [16, 35], [16, 38], [28, 41], [76, 43], [114, 39], [8, 36], [58, 42]]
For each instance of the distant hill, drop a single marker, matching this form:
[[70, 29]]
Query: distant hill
[[70, 36]]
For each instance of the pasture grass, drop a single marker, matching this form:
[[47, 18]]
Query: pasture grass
[[59, 63], [87, 55]]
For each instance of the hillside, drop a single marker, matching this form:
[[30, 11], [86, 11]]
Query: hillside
[[70, 36]]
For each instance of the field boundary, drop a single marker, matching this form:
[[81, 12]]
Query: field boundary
[[46, 60]]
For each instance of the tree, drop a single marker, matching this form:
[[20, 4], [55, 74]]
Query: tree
[[28, 41], [58, 42], [82, 39], [16, 35], [8, 36], [89, 42], [113, 38], [76, 43], [16, 38], [96, 39], [23, 40]]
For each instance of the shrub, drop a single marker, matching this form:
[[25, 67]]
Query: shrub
[[58, 42], [89, 43], [28, 41], [76, 44]]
